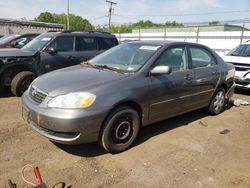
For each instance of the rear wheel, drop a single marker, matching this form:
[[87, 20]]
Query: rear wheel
[[120, 129], [21, 82], [217, 104]]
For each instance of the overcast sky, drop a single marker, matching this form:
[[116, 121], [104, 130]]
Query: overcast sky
[[131, 10]]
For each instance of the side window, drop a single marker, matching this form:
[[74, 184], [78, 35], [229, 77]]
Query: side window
[[246, 51], [30, 38], [86, 44], [106, 43], [201, 58], [175, 57], [21, 41], [63, 44]]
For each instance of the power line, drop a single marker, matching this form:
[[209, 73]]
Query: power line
[[111, 3], [188, 14], [98, 18]]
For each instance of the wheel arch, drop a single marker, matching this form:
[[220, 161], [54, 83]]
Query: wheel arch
[[9, 73], [129, 103]]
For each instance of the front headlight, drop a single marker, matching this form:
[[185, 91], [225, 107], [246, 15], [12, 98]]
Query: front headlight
[[72, 100]]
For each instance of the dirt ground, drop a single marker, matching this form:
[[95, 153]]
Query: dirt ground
[[186, 151]]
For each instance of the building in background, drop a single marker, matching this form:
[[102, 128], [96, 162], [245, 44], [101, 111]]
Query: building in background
[[9, 26]]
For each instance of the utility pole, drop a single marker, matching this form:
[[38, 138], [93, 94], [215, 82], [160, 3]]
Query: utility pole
[[67, 14], [111, 3]]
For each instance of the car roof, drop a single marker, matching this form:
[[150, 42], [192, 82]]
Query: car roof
[[79, 33], [164, 42]]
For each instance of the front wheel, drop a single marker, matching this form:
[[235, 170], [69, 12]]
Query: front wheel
[[217, 104], [20, 83], [120, 129]]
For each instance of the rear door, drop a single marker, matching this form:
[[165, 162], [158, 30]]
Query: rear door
[[171, 93], [206, 74], [65, 54], [86, 48]]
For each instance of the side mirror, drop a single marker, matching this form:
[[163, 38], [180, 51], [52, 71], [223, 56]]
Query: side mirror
[[161, 69], [50, 50]]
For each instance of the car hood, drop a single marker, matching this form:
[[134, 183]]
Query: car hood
[[74, 79], [16, 53], [236, 59]]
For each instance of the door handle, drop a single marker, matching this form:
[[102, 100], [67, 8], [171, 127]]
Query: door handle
[[188, 77], [215, 72], [71, 57]]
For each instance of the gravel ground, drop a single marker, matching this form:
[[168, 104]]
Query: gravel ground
[[186, 151]]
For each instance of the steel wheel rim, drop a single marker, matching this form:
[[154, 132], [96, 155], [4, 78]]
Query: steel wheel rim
[[25, 84], [219, 101], [122, 130]]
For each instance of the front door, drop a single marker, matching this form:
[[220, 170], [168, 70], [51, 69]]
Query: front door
[[64, 55], [171, 93]]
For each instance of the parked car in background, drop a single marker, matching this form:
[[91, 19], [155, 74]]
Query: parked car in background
[[240, 58], [47, 52], [16, 40], [108, 98]]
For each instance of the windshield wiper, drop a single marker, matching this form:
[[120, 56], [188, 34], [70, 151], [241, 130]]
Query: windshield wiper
[[110, 68], [89, 64], [101, 66]]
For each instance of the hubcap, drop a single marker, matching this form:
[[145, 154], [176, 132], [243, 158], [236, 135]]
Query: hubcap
[[219, 101]]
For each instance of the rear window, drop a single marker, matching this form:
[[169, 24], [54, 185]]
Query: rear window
[[106, 43]]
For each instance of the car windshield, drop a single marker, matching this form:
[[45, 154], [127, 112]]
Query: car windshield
[[241, 50], [37, 43], [7, 38], [127, 57]]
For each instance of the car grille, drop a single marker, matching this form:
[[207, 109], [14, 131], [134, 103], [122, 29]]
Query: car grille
[[37, 95], [241, 66]]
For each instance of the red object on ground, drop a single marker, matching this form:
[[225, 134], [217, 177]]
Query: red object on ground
[[39, 180]]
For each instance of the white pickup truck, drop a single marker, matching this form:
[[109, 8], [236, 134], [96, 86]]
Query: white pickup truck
[[240, 58]]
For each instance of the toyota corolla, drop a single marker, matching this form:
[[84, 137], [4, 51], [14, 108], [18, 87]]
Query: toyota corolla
[[109, 98]]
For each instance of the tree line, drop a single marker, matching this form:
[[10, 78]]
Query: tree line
[[79, 23]]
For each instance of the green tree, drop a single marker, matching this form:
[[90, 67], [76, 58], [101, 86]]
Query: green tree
[[145, 24], [214, 23], [45, 17], [75, 22], [173, 24]]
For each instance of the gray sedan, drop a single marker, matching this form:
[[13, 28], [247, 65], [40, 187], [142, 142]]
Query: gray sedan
[[109, 98]]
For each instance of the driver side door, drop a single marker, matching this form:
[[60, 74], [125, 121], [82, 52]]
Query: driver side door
[[64, 55], [171, 93]]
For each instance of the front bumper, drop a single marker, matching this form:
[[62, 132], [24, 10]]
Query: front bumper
[[242, 79], [67, 126]]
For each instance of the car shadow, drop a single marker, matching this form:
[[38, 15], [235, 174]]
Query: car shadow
[[5, 92], [93, 149], [242, 91]]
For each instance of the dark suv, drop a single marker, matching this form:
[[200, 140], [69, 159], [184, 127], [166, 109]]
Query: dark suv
[[47, 52]]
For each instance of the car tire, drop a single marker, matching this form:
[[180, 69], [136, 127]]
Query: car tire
[[120, 129], [218, 101], [21, 82]]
